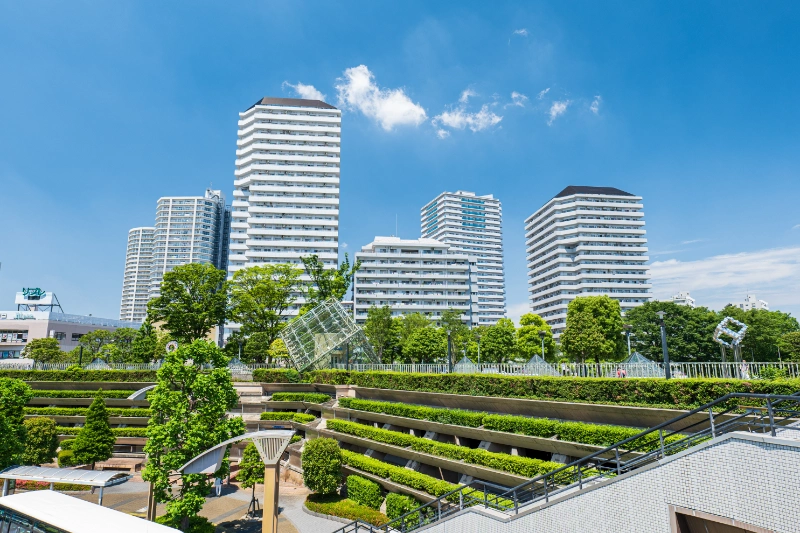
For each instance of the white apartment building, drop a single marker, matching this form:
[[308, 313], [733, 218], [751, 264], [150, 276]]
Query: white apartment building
[[472, 225], [286, 189], [586, 241], [136, 281], [683, 298], [414, 276], [751, 302]]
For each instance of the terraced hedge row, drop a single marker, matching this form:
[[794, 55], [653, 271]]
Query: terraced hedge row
[[81, 411], [301, 418], [310, 397], [118, 432], [134, 376], [118, 394], [398, 474]]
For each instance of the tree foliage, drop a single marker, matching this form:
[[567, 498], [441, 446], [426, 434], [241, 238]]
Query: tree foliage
[[764, 331], [14, 395], [143, 347], [193, 301], [251, 469], [529, 342], [381, 331], [41, 441], [189, 405], [95, 440], [498, 344], [256, 348], [322, 465], [426, 345], [94, 341], [460, 334], [594, 329], [327, 282], [407, 325], [689, 331], [46, 350], [789, 344]]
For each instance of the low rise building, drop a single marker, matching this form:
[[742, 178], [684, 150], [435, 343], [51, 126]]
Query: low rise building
[[751, 302], [683, 298]]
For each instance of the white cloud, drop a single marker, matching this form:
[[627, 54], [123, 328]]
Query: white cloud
[[344, 245], [796, 226], [357, 89], [595, 107], [693, 241], [522, 31], [308, 92], [542, 93], [460, 118], [518, 99], [773, 275], [442, 134], [465, 96], [557, 109]]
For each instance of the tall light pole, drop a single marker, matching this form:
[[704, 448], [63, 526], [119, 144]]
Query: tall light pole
[[667, 372], [628, 328], [542, 335], [479, 348], [449, 355]]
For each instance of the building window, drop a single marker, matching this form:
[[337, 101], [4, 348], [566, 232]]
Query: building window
[[76, 337], [59, 335]]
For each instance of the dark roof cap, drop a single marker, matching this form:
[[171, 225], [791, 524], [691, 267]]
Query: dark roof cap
[[584, 189], [292, 102]]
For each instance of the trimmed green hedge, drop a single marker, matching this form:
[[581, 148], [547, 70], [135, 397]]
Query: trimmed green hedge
[[66, 458], [673, 393], [364, 491], [301, 418], [309, 397], [45, 485], [335, 505], [398, 474], [274, 375], [456, 417], [81, 411], [523, 466], [144, 376], [67, 444], [119, 394], [399, 504], [118, 432]]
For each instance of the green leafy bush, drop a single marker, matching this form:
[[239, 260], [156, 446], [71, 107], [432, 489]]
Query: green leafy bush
[[66, 458], [41, 441], [310, 397], [399, 504], [523, 466], [118, 394], [300, 418], [66, 444], [197, 524], [322, 463], [295, 438], [140, 376], [456, 417], [45, 485], [272, 375], [118, 432], [81, 411], [398, 474], [335, 505], [365, 492]]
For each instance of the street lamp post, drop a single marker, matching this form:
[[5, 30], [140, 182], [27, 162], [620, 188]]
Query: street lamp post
[[667, 372], [542, 335], [628, 328], [479, 349], [449, 354]]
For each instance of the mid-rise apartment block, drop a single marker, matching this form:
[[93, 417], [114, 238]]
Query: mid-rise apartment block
[[286, 189], [472, 225], [136, 281], [751, 302], [683, 298], [586, 241], [414, 276]]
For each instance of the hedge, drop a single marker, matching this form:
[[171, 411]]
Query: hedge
[[45, 485], [66, 458], [335, 505], [118, 432], [310, 397], [273, 375], [399, 504], [398, 474], [81, 411], [66, 444], [321, 461], [673, 393], [300, 418], [143, 376], [364, 491], [581, 432], [119, 394], [523, 466]]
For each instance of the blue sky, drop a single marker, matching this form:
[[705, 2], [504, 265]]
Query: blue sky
[[104, 107]]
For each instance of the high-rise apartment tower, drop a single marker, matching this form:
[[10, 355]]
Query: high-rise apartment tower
[[472, 225], [286, 189], [136, 281], [586, 241]]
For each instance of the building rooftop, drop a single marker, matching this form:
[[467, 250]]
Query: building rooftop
[[585, 189], [397, 240], [292, 102]]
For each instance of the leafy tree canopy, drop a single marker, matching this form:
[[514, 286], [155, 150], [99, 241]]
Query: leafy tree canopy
[[327, 282], [426, 345], [789, 344], [596, 330], [382, 333], [46, 350], [689, 332], [94, 341], [322, 465], [251, 468], [406, 325], [256, 349], [764, 330], [498, 344], [41, 441], [14, 395], [95, 440], [529, 342], [460, 334]]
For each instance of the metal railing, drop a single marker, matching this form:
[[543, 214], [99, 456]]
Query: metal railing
[[761, 413]]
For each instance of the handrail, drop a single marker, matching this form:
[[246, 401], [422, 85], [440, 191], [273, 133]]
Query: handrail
[[626, 455]]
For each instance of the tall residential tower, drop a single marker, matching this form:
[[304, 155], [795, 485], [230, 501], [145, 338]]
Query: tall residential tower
[[136, 281], [286, 189], [472, 225], [586, 241]]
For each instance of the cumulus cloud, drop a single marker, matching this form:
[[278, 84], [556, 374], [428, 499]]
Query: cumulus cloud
[[442, 134], [557, 109], [595, 107], [773, 275], [522, 31], [518, 99], [308, 92], [466, 95], [460, 118], [357, 90], [542, 93]]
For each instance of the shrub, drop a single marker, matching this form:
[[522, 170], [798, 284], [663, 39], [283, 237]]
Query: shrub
[[398, 474], [119, 394], [95, 441], [45, 485], [118, 432], [41, 441], [335, 505], [82, 411], [458, 417], [300, 418], [272, 375], [197, 524], [365, 492], [66, 458], [295, 438], [66, 444], [322, 463], [310, 397], [399, 504], [77, 374]]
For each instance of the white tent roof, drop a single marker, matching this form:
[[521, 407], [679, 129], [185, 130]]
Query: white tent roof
[[94, 478], [78, 516]]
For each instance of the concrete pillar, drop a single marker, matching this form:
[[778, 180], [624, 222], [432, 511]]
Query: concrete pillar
[[100, 499], [270, 521], [52, 486], [514, 451], [5, 487]]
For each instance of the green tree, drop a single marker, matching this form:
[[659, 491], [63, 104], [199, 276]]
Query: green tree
[[189, 406], [278, 349], [193, 301], [322, 465], [41, 441], [94, 341], [460, 334], [256, 349], [764, 330], [260, 297], [426, 345], [529, 342], [789, 344], [14, 395], [597, 329], [407, 325], [251, 469], [689, 331], [143, 347], [499, 343], [381, 331], [327, 282], [95, 440], [46, 350]]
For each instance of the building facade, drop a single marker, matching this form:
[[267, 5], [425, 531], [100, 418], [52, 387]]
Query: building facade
[[751, 302], [136, 281], [414, 276], [472, 225], [586, 241], [683, 298], [286, 189]]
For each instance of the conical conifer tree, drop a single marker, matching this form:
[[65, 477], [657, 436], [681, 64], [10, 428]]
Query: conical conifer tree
[[95, 441]]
